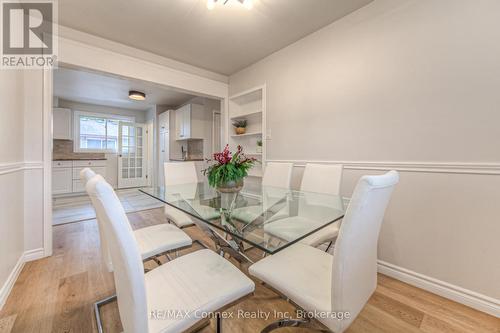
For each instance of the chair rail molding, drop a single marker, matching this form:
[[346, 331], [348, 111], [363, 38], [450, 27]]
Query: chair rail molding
[[6, 168], [458, 294], [486, 168]]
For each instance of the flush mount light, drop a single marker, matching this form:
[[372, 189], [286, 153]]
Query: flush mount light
[[248, 4], [136, 95]]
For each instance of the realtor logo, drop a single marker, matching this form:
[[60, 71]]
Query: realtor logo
[[28, 34]]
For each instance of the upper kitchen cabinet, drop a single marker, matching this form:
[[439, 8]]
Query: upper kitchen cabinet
[[61, 122], [189, 122]]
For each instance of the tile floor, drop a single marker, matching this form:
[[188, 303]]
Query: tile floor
[[79, 208]]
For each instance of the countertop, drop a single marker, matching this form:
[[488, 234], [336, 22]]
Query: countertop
[[187, 160], [80, 159]]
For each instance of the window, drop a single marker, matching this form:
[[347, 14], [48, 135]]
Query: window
[[97, 132]]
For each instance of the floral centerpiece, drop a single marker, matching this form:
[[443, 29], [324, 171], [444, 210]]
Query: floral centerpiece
[[227, 174]]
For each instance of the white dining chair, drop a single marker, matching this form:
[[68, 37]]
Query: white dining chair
[[195, 284], [317, 179], [153, 241], [179, 173], [276, 183], [278, 175], [339, 283], [87, 174]]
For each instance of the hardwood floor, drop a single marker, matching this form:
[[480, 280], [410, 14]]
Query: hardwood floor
[[56, 294]]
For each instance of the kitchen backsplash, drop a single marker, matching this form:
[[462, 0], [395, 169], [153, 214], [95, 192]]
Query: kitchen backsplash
[[195, 149], [63, 150]]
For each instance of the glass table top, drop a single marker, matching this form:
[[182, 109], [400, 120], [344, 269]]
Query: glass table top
[[268, 218]]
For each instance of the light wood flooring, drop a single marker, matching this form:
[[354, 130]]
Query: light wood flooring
[[56, 295]]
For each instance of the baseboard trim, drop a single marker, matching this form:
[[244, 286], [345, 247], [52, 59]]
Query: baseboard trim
[[34, 254], [11, 280], [458, 294]]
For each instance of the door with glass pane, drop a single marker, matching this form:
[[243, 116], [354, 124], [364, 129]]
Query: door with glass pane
[[132, 167]]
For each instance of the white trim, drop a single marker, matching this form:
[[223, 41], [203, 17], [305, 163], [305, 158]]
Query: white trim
[[47, 160], [34, 254], [426, 167], [458, 294], [27, 256], [11, 280], [6, 168]]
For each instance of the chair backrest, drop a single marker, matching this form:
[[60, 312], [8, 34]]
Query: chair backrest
[[86, 174], [127, 262], [106, 257], [278, 175], [354, 277], [177, 173], [322, 178]]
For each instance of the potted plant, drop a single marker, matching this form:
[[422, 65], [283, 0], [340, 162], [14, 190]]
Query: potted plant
[[229, 171], [240, 126], [259, 146]]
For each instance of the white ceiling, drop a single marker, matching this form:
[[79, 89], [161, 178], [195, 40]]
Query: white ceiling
[[223, 40], [94, 88]]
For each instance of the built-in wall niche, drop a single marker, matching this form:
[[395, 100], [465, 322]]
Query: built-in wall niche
[[249, 105]]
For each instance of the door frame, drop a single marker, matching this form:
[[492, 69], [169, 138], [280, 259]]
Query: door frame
[[140, 65]]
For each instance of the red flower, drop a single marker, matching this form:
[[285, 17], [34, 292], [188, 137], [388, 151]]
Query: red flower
[[223, 157]]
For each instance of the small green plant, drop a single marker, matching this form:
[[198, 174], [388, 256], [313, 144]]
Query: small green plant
[[229, 167], [259, 143], [240, 123]]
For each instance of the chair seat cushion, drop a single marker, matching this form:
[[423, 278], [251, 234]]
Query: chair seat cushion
[[159, 238], [326, 234], [247, 214], [198, 282], [290, 228], [302, 273], [177, 216]]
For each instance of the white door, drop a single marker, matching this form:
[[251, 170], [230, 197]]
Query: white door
[[132, 167]]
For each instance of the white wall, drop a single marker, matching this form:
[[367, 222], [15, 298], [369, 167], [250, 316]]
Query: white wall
[[11, 176], [112, 159], [411, 85], [33, 153]]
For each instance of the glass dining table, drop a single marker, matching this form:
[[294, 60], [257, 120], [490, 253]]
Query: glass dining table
[[263, 217]]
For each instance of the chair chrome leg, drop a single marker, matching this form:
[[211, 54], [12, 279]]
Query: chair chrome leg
[[291, 323], [200, 243], [97, 306], [218, 324], [328, 247]]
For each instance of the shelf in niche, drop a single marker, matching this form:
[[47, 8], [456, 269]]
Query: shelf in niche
[[246, 134], [248, 114]]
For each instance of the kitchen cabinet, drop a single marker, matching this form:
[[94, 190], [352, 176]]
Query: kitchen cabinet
[[189, 122], [66, 175], [62, 124], [62, 180]]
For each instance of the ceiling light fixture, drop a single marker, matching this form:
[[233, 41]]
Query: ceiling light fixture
[[248, 4], [136, 95]]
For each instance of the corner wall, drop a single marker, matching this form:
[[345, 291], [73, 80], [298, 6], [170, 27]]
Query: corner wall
[[11, 179], [413, 86]]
